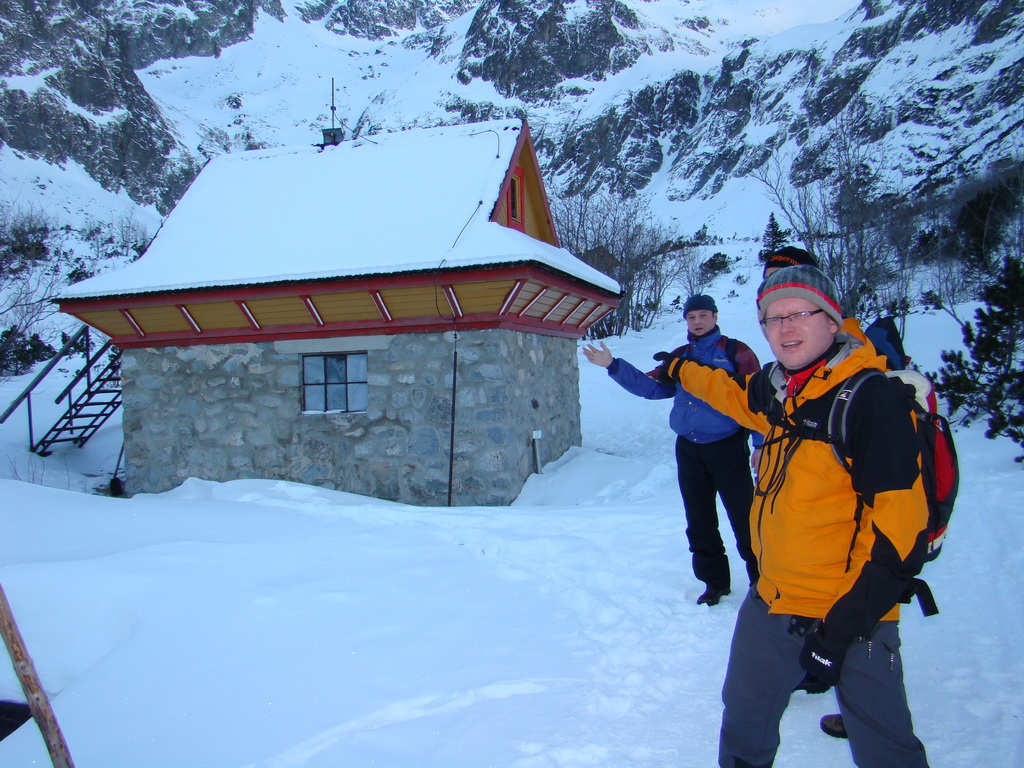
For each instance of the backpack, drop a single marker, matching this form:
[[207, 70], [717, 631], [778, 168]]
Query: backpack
[[940, 468], [724, 343], [885, 337]]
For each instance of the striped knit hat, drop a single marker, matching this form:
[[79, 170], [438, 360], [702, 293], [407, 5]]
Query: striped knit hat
[[800, 282]]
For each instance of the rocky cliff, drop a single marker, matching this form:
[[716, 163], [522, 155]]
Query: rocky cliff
[[934, 87]]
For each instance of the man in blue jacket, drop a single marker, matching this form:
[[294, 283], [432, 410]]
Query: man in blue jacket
[[712, 455]]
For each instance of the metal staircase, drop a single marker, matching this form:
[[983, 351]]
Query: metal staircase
[[93, 395]]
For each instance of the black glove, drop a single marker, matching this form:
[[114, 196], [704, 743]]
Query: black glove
[[668, 371], [822, 655], [811, 684]]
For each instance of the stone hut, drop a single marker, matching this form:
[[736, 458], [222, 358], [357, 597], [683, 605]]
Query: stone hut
[[389, 315]]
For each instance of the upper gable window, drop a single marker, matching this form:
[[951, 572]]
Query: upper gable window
[[515, 200], [335, 383]]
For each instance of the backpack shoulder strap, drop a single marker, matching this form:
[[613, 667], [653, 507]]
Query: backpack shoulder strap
[[728, 345], [837, 414], [760, 394]]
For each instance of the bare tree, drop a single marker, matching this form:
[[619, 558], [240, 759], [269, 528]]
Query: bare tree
[[33, 267], [622, 239], [39, 257], [123, 239], [847, 224]]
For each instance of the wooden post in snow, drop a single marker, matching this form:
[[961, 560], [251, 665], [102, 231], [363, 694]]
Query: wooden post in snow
[[38, 703]]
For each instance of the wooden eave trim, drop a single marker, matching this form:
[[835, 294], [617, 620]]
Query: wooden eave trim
[[575, 309], [314, 313], [453, 300], [131, 321], [595, 315], [524, 271], [188, 318], [548, 284], [248, 315], [555, 306], [382, 306], [512, 295], [529, 305], [362, 328]]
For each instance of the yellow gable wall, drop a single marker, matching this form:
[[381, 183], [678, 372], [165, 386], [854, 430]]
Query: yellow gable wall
[[537, 223]]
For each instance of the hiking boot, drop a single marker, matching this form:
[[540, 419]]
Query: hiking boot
[[712, 595], [833, 725]]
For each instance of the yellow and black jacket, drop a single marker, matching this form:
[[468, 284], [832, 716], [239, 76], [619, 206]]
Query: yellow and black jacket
[[831, 544]]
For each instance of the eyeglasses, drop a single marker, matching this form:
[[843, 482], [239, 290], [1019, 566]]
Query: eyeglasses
[[797, 318]]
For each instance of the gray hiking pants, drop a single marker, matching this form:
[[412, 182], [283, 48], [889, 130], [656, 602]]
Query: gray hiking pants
[[764, 668]]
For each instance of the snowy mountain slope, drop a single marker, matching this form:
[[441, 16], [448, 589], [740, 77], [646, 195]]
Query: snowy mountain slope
[[675, 100], [934, 94]]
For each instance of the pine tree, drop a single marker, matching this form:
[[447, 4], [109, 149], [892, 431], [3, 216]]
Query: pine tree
[[774, 238], [18, 352], [992, 383]]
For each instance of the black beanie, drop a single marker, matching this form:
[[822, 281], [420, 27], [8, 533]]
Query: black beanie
[[697, 302], [789, 256]]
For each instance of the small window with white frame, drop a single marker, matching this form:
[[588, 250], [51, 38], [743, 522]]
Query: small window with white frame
[[335, 383], [515, 197]]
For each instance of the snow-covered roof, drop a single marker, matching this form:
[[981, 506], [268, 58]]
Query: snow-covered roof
[[400, 202]]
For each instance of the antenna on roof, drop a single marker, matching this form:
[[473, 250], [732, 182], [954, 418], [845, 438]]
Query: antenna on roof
[[332, 135], [334, 109]]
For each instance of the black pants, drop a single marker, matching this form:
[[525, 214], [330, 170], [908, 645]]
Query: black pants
[[707, 469]]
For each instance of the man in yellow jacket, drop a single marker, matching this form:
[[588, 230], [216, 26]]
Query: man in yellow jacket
[[837, 547]]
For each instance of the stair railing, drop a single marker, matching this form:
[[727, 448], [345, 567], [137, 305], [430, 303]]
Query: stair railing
[[26, 394]]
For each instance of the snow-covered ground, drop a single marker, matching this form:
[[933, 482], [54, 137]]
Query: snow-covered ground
[[261, 623]]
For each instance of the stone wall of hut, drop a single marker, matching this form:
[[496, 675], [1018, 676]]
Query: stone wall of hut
[[231, 411]]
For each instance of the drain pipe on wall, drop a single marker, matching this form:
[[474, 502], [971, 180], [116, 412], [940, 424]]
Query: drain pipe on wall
[[537, 435], [451, 436]]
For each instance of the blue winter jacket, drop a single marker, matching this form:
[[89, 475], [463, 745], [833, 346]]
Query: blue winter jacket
[[691, 418]]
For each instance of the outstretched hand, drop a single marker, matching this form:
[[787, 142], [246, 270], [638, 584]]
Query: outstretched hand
[[602, 357]]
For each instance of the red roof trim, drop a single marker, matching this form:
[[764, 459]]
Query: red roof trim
[[534, 300], [453, 300], [329, 330], [340, 285], [588, 322], [311, 308], [382, 307], [128, 316], [188, 318], [590, 314], [574, 310], [511, 296], [248, 315], [553, 309], [543, 279]]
